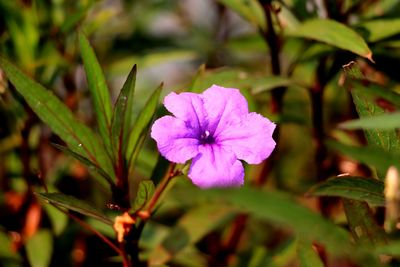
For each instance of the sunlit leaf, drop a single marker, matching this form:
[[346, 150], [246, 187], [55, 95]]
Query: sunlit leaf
[[75, 204], [79, 138], [358, 188], [333, 33], [39, 248], [122, 114], [98, 90], [141, 126]]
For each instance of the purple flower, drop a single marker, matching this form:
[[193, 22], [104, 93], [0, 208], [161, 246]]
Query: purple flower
[[216, 131]]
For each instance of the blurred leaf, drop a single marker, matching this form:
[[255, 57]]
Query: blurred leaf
[[392, 248], [58, 219], [141, 127], [357, 188], [122, 114], [98, 90], [145, 192], [385, 121], [250, 10], [6, 251], [80, 139], [379, 29], [307, 255], [72, 20], [195, 224], [92, 166], [270, 83], [39, 249], [75, 204], [362, 223], [370, 155], [333, 33], [278, 208]]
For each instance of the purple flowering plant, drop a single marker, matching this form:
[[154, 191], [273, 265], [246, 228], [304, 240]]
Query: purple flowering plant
[[215, 130]]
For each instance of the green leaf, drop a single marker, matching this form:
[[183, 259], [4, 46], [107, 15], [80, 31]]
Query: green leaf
[[122, 114], [278, 208], [379, 29], [392, 248], [75, 204], [370, 155], [80, 138], [357, 188], [191, 228], [307, 255], [98, 90], [91, 165], [362, 223], [39, 249], [269, 83], [145, 192], [250, 10], [333, 33], [140, 129], [6, 251], [385, 121], [58, 219]]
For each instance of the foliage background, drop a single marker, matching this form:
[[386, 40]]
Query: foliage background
[[286, 56]]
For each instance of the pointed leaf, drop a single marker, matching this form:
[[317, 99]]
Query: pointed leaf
[[333, 33], [122, 112], [357, 188], [75, 204], [141, 127], [98, 90], [39, 249], [385, 121], [80, 138], [92, 166]]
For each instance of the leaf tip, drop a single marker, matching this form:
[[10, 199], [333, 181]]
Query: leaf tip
[[369, 57]]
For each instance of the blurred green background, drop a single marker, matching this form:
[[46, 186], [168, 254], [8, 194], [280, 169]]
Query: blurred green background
[[288, 72]]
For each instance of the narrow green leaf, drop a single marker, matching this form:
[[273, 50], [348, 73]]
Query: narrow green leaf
[[250, 10], [385, 121], [80, 138], [39, 249], [91, 165], [370, 155], [308, 257], [145, 192], [357, 188], [269, 83], [379, 29], [392, 248], [140, 129], [333, 33], [191, 228], [58, 219], [75, 204], [98, 90], [122, 112], [362, 223]]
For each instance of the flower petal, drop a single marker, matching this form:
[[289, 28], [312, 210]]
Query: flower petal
[[187, 107], [251, 139], [224, 106], [175, 141], [216, 167]]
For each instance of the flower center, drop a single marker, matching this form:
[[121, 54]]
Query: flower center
[[206, 138]]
